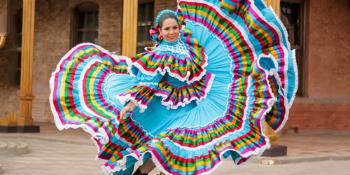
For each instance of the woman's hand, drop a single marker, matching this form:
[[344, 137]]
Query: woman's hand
[[128, 108]]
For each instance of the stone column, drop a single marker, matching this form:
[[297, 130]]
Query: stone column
[[25, 98], [129, 39]]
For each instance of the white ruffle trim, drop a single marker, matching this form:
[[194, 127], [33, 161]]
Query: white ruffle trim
[[167, 69], [171, 105]]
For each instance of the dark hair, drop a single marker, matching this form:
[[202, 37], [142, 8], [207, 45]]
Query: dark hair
[[167, 16]]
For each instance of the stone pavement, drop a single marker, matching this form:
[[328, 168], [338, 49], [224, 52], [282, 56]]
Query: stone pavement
[[71, 152]]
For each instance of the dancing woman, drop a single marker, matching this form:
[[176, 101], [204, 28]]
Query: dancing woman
[[219, 71]]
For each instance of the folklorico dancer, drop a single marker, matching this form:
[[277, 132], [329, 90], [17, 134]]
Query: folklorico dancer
[[219, 70]]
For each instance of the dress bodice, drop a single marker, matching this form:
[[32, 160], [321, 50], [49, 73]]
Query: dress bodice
[[175, 71], [184, 59]]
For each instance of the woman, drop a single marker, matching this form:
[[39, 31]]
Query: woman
[[219, 71]]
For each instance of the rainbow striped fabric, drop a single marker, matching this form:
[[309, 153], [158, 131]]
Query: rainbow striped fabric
[[208, 101], [187, 65]]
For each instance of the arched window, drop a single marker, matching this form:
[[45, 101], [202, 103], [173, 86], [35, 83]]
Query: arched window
[[85, 23]]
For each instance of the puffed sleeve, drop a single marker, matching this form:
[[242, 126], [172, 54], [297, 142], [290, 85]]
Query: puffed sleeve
[[143, 92]]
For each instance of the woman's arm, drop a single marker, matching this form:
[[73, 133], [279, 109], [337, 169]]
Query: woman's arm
[[141, 94], [128, 108]]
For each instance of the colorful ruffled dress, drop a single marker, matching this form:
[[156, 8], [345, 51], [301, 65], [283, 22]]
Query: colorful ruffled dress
[[200, 99]]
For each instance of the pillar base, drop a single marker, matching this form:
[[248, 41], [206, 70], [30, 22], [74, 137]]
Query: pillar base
[[275, 151], [20, 129]]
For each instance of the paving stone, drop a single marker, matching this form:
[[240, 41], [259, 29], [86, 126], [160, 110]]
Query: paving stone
[[11, 147], [3, 146], [22, 148]]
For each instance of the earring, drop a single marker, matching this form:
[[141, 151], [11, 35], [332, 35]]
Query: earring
[[160, 37]]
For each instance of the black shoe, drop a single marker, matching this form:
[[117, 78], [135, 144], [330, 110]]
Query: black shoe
[[138, 172]]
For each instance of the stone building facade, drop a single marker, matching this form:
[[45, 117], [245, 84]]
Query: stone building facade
[[53, 23], [323, 103]]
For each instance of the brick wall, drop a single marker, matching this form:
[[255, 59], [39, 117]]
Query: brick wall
[[329, 49], [8, 88], [3, 15], [164, 4], [316, 114]]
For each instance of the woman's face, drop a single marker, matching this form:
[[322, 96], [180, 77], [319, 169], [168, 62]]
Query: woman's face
[[170, 30]]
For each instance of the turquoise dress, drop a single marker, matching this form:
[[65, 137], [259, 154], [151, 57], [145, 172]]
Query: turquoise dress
[[200, 99]]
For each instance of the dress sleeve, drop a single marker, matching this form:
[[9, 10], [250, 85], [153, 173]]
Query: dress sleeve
[[143, 91]]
